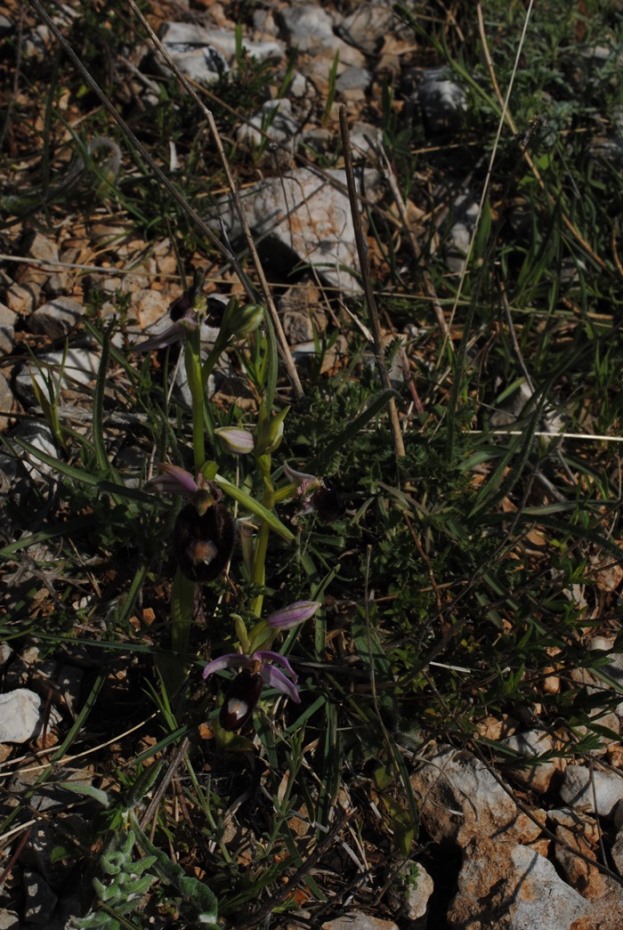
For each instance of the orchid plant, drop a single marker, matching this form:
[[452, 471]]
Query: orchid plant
[[205, 530]]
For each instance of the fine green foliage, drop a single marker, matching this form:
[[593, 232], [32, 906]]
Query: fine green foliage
[[466, 589]]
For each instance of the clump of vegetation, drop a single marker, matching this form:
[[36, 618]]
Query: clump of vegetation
[[264, 653]]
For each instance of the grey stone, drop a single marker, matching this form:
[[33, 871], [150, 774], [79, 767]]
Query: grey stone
[[274, 122], [617, 852], [533, 744], [300, 218], [22, 298], [20, 715], [309, 28], [191, 48], [6, 652], [357, 920], [39, 436], [595, 791], [353, 79], [460, 799], [205, 53], [76, 366], [367, 26], [57, 317], [459, 237], [363, 139], [7, 339], [36, 245], [442, 101], [6, 28], [7, 402], [8, 919], [511, 885], [418, 890]]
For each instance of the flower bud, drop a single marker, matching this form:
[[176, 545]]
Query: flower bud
[[292, 615], [240, 321], [248, 319], [239, 441], [271, 434]]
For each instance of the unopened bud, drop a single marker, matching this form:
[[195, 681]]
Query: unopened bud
[[239, 441], [272, 433], [292, 615]]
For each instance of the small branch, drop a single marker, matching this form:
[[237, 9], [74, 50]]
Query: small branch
[[284, 348], [362, 251]]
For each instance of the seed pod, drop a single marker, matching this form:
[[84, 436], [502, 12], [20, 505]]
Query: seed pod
[[203, 543], [240, 700]]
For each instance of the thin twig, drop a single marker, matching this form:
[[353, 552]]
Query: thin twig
[[179, 198], [167, 778], [508, 119], [268, 298], [426, 279], [362, 251]]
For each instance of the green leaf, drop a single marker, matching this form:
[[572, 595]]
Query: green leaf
[[249, 503], [344, 438]]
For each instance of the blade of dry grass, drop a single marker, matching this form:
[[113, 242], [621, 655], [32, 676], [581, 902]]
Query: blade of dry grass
[[362, 251]]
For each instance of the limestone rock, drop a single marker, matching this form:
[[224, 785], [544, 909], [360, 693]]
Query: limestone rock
[[310, 29], [617, 852], [57, 317], [534, 743], [9, 920], [509, 886], [461, 800], [418, 892], [594, 791], [367, 26], [442, 101], [40, 436], [300, 218], [20, 715], [357, 920], [577, 832], [6, 401], [273, 123]]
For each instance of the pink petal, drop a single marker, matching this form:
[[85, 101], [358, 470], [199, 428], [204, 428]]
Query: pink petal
[[231, 660], [276, 679], [293, 614]]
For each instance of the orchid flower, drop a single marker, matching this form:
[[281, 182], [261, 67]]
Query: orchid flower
[[204, 533], [259, 668], [244, 691]]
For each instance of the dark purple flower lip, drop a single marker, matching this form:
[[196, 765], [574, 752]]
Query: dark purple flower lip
[[203, 542], [240, 700]]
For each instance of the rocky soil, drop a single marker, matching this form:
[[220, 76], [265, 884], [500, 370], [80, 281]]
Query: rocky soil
[[538, 847]]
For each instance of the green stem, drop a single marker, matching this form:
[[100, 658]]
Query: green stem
[[258, 575], [172, 666], [195, 382]]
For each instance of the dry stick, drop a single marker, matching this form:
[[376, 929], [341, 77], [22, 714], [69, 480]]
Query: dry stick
[[546, 832], [268, 298], [507, 116], [170, 187], [429, 288], [362, 251]]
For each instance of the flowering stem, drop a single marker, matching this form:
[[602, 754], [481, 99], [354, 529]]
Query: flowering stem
[[195, 382], [258, 574], [172, 666]]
